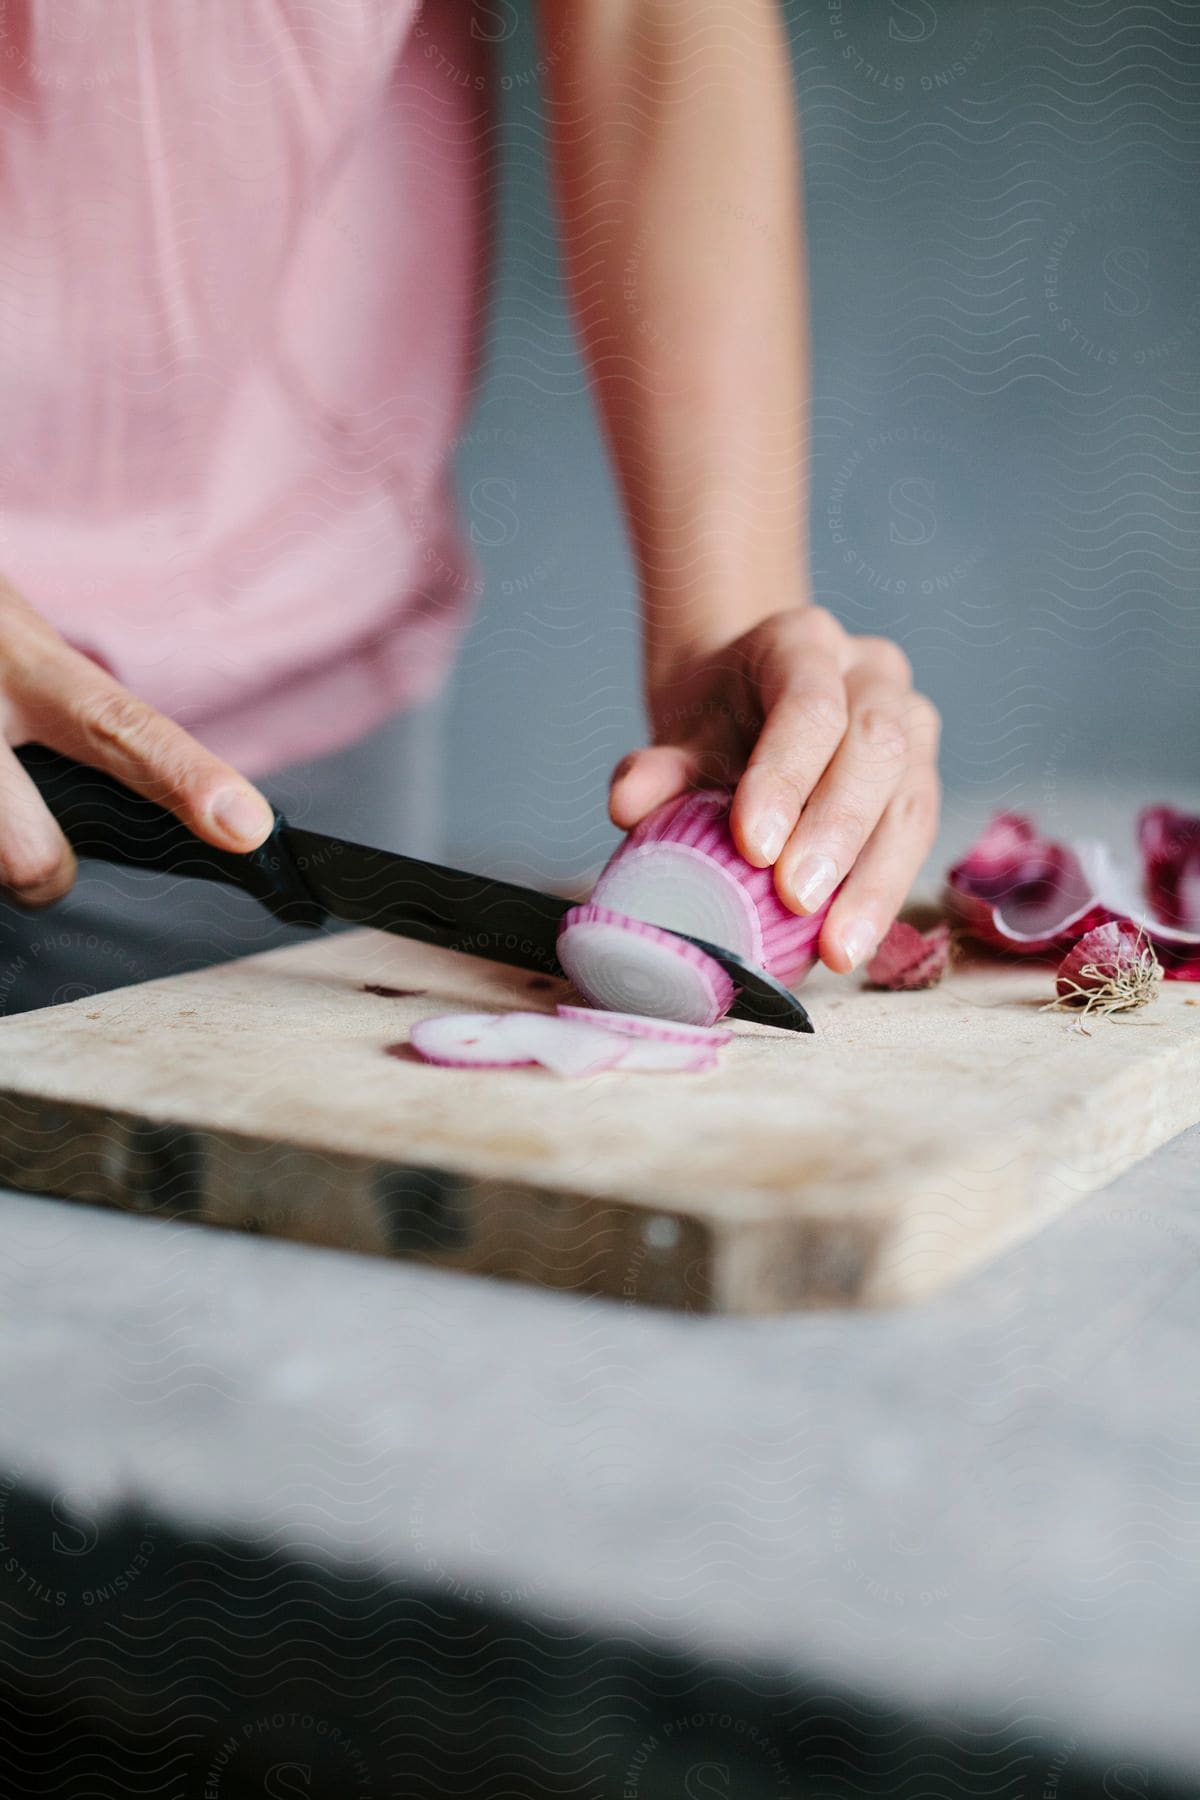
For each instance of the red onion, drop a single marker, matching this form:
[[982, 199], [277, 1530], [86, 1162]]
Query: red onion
[[681, 871]]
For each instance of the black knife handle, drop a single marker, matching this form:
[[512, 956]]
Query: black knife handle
[[101, 818]]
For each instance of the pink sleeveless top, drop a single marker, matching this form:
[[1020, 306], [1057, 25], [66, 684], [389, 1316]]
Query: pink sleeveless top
[[240, 272]]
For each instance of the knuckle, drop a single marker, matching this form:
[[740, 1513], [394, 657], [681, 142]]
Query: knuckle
[[917, 809], [116, 720], [880, 729], [29, 646]]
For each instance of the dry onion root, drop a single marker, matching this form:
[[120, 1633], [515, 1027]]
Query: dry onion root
[[1111, 969]]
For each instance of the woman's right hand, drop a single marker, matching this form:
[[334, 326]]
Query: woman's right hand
[[54, 695]]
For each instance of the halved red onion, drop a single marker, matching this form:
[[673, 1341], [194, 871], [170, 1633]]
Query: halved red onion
[[626, 965], [681, 869], [665, 1031]]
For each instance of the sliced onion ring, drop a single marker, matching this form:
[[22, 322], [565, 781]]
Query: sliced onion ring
[[566, 1047], [470, 1041], [646, 1056], [663, 1031], [518, 1040], [624, 965]]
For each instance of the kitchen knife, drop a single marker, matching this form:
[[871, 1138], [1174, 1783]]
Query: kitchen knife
[[306, 878]]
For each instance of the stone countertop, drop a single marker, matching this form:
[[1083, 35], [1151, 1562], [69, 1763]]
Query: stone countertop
[[987, 1506]]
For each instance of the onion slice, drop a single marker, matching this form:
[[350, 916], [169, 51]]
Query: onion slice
[[645, 1056], [625, 965], [470, 1041], [664, 1031], [570, 1047], [565, 1047]]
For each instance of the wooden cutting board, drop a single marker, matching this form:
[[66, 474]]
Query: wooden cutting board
[[912, 1136]]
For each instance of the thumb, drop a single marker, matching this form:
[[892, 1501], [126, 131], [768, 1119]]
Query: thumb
[[646, 779]]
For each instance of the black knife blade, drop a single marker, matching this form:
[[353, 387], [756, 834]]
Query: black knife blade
[[493, 919], [428, 901], [306, 877]]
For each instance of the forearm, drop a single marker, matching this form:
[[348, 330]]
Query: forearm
[[678, 183]]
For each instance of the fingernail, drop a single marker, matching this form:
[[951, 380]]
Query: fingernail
[[859, 939], [813, 882], [771, 834], [242, 814]]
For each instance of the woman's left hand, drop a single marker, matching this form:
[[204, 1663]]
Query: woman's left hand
[[834, 757]]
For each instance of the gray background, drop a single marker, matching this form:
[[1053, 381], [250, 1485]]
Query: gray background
[[1018, 493]]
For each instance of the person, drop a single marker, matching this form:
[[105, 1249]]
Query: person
[[243, 262]]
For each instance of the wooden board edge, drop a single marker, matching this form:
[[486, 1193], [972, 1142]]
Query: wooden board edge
[[1007, 1191], [578, 1242]]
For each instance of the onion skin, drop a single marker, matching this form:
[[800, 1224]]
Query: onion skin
[[1021, 893], [1170, 846], [1110, 948], [909, 959], [1007, 857], [1112, 969]]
